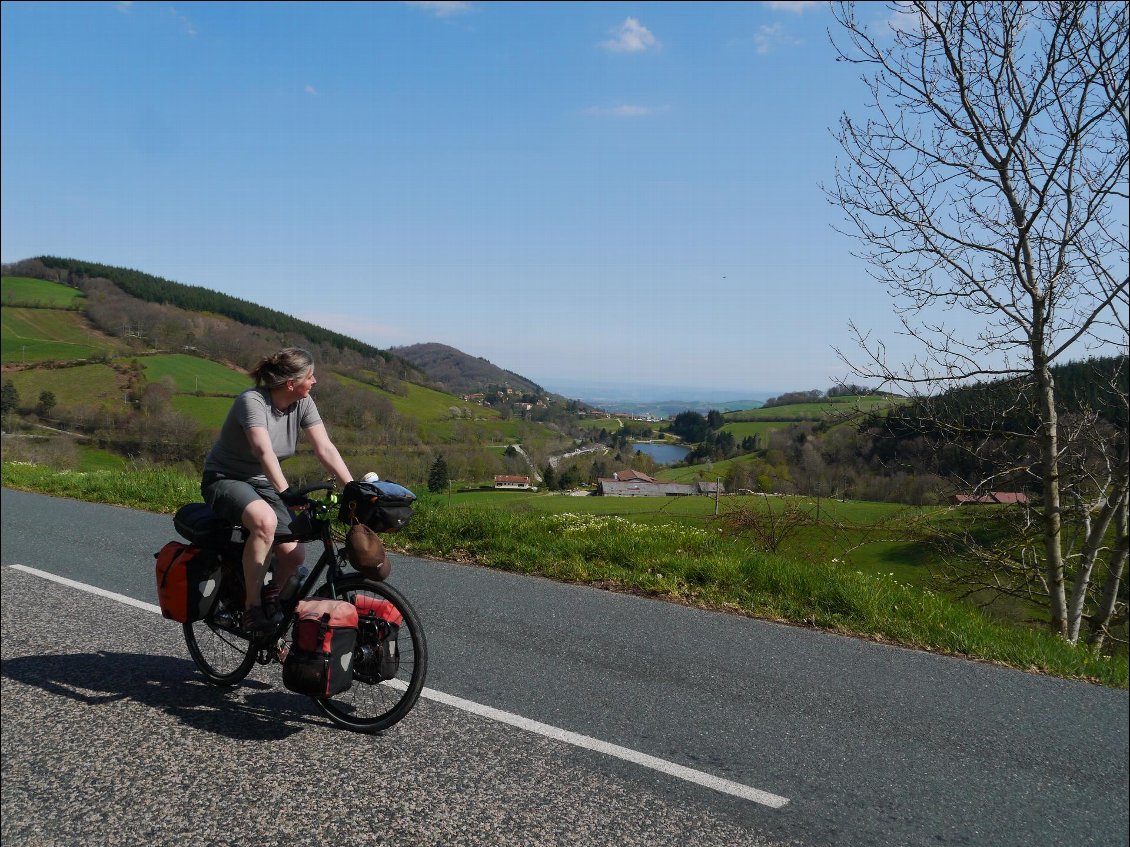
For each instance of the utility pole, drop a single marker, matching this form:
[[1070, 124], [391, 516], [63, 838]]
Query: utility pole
[[717, 488]]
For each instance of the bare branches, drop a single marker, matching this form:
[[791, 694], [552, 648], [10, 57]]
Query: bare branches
[[985, 172], [986, 187]]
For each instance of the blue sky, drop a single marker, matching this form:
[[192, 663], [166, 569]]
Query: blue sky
[[586, 194]]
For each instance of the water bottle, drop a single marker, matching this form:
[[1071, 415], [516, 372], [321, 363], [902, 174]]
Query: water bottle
[[294, 583], [371, 476]]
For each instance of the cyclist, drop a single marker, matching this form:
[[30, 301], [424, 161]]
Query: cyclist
[[243, 479]]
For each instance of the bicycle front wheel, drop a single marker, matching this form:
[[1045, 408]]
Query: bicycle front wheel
[[223, 655], [378, 699]]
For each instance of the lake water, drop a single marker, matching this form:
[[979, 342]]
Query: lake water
[[664, 454]]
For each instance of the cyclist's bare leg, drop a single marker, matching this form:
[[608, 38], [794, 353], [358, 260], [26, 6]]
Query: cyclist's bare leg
[[260, 522], [288, 558]]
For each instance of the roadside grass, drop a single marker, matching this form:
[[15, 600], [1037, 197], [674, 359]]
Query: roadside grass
[[674, 560], [152, 489]]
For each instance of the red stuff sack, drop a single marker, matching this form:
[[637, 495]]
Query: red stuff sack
[[320, 661], [378, 624], [187, 579]]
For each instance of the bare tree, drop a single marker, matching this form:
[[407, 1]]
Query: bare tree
[[987, 187]]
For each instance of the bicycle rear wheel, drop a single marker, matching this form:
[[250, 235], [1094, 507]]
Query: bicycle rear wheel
[[223, 655], [370, 705]]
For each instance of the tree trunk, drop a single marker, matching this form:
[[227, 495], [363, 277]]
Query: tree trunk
[[1051, 514], [1105, 611]]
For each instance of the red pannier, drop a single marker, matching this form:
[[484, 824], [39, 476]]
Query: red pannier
[[320, 661], [378, 623], [187, 579]]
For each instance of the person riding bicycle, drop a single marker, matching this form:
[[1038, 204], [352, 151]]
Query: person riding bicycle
[[243, 479]]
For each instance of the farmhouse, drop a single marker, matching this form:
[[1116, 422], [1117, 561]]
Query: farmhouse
[[513, 483], [1003, 498], [635, 484]]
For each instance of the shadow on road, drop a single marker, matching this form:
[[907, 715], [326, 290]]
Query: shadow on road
[[251, 710]]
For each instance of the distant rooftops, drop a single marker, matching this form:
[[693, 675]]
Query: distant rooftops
[[1009, 498]]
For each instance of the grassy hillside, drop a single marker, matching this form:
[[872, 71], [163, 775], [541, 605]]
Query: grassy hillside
[[828, 408], [38, 293], [191, 374], [150, 399], [84, 385], [43, 335]]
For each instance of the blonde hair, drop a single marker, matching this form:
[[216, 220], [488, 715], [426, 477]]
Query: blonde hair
[[276, 369]]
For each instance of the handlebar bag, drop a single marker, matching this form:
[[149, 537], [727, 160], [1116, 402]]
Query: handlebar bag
[[187, 579], [320, 661], [382, 506], [378, 624]]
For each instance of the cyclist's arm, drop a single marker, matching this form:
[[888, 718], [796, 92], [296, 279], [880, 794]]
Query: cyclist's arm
[[327, 453], [260, 441]]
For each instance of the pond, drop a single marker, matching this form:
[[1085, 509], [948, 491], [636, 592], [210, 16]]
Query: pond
[[664, 453]]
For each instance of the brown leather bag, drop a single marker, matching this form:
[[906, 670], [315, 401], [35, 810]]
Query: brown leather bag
[[366, 552]]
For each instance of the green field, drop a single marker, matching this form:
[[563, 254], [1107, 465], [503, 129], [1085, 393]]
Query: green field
[[84, 385], [710, 472], [744, 429], [22, 291], [43, 335], [829, 407], [95, 459], [597, 424], [208, 412], [192, 374]]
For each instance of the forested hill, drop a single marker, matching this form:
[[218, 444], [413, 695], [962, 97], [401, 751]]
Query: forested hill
[[461, 373], [155, 289]]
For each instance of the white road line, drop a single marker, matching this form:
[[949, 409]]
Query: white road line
[[585, 742], [90, 589]]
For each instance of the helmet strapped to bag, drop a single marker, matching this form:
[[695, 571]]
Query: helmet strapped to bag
[[366, 552]]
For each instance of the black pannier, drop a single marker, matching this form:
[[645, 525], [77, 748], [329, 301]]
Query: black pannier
[[382, 506], [203, 527]]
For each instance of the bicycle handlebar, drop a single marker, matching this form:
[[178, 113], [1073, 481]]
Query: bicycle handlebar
[[318, 486]]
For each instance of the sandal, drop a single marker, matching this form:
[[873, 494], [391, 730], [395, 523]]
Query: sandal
[[256, 624]]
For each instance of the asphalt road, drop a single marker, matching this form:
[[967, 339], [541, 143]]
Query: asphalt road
[[110, 735]]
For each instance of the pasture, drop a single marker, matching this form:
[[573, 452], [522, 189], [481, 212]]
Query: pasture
[[425, 404], [831, 407], [208, 412], [38, 293], [83, 385], [191, 374], [44, 335]]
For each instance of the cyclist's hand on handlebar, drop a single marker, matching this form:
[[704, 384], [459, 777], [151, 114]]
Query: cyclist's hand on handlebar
[[290, 497]]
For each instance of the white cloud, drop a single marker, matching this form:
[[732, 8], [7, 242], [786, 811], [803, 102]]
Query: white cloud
[[189, 27], [310, 89], [769, 38], [124, 6], [797, 7], [626, 110], [440, 8], [631, 37]]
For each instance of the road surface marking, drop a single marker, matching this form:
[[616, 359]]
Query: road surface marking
[[585, 742]]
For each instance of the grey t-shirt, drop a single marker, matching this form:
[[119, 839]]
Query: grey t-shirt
[[231, 454]]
